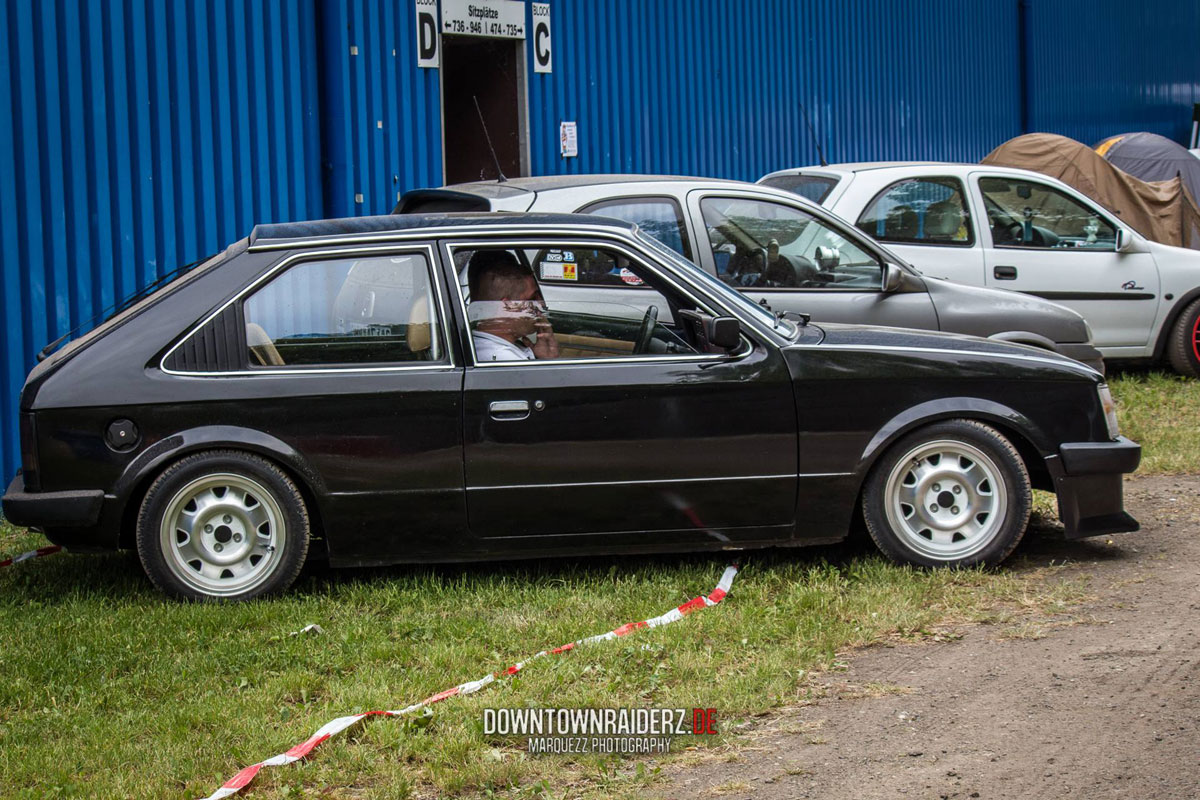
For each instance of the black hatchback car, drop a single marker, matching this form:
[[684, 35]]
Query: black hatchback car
[[443, 388]]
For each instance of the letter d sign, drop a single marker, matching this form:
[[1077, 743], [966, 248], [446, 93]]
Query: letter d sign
[[427, 34], [542, 61]]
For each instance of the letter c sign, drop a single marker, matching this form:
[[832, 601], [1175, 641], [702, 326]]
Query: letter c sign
[[542, 60]]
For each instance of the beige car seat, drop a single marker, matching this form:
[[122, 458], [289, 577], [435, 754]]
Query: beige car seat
[[261, 347]]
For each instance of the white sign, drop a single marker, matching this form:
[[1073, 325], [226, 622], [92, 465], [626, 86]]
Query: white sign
[[496, 19], [568, 139], [542, 61], [427, 34]]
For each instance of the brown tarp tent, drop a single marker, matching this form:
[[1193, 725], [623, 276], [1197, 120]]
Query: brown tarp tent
[[1159, 210]]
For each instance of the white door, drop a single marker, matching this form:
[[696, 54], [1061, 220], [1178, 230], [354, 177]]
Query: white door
[[926, 220], [1042, 240]]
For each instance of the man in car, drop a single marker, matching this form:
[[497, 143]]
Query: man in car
[[506, 309]]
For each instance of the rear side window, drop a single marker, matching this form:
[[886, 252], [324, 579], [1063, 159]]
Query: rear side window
[[920, 211], [810, 187], [378, 310], [660, 217]]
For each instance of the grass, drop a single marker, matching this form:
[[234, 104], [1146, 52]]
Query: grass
[[1160, 411], [109, 690]]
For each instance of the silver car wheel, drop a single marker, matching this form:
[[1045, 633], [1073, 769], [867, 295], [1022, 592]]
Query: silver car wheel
[[946, 500], [223, 534]]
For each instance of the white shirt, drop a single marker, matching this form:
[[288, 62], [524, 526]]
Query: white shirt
[[492, 348]]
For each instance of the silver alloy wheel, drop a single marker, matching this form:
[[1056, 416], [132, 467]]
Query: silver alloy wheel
[[223, 534], [946, 500]]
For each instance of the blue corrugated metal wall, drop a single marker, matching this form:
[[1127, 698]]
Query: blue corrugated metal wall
[[1098, 69], [137, 135]]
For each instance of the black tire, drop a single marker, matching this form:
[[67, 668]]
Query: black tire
[[1183, 348], [968, 497], [222, 525]]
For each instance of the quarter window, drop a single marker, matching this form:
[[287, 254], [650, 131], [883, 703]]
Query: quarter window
[[920, 211], [1023, 213], [377, 310], [759, 244], [660, 218]]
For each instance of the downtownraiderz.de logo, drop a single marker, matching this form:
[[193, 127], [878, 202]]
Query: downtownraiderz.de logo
[[599, 730]]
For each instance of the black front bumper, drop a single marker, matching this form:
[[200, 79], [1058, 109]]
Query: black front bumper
[[1087, 479], [73, 509]]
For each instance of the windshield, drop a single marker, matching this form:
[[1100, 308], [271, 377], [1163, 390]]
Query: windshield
[[728, 295]]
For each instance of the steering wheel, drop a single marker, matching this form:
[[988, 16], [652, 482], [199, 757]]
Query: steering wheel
[[646, 332]]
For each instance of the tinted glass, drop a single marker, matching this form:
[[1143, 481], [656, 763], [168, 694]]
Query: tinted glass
[[351, 311], [1027, 214], [658, 217], [759, 244], [810, 187], [920, 211]]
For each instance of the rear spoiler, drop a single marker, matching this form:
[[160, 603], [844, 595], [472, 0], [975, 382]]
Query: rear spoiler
[[434, 201]]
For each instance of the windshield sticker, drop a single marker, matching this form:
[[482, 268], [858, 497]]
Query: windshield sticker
[[631, 279]]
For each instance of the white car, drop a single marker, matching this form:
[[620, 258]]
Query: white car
[[1021, 230]]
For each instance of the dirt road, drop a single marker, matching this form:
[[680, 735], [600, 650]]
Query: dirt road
[[1105, 709]]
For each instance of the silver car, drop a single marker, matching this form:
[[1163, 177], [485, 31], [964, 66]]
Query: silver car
[[783, 251]]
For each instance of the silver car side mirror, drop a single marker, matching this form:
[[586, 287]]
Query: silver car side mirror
[[893, 277]]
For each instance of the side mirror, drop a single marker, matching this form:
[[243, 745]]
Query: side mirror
[[724, 332], [1124, 241], [712, 333], [893, 278]]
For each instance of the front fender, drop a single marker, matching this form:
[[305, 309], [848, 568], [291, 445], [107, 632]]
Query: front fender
[[950, 408]]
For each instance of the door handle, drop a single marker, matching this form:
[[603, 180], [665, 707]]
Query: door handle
[[1005, 273], [508, 410]]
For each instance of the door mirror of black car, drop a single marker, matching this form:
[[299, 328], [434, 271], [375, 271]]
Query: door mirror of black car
[[893, 278], [712, 334], [724, 332]]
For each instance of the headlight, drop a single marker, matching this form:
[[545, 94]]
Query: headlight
[[1110, 410]]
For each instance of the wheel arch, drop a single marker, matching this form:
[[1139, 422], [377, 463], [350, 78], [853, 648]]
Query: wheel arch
[[1026, 437], [1027, 338], [133, 484], [1170, 320]]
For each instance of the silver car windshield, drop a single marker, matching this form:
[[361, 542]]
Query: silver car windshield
[[731, 296]]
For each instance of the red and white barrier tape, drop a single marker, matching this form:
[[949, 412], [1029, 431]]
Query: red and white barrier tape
[[243, 778], [41, 551]]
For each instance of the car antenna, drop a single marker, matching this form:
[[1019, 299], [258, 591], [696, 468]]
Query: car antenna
[[486, 135], [813, 133]]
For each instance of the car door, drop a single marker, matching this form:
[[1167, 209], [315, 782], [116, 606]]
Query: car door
[[347, 362], [1052, 243], [784, 256], [927, 221], [601, 446]]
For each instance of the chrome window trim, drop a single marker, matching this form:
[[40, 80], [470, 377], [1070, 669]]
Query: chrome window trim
[[1083, 369], [399, 248], [434, 232], [565, 240]]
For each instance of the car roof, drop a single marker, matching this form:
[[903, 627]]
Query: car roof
[[545, 183], [457, 221]]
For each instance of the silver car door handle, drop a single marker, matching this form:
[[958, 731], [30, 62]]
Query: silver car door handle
[[509, 409]]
